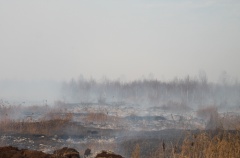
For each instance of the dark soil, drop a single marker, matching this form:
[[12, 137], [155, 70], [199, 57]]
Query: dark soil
[[13, 152], [105, 154]]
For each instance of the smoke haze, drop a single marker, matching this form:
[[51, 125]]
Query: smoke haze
[[29, 92], [144, 66], [188, 92]]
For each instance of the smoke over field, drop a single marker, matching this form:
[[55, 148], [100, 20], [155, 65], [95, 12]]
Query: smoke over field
[[158, 78], [132, 118]]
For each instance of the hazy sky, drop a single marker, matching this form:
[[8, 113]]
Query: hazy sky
[[61, 39]]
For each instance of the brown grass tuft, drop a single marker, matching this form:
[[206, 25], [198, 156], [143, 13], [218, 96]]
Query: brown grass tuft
[[222, 145]]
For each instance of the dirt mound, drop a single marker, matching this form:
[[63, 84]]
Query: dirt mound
[[66, 153], [105, 154], [13, 152]]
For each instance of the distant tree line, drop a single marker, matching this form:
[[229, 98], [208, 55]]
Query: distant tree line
[[189, 91]]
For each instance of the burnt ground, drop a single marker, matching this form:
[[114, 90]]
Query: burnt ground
[[122, 142], [70, 134], [50, 135], [81, 138]]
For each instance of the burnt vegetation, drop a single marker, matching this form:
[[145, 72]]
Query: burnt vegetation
[[95, 122]]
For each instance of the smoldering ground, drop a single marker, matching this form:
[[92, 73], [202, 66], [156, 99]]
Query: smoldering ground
[[114, 115]]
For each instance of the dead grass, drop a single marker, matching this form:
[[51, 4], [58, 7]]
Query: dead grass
[[205, 144], [51, 122], [136, 152], [223, 145], [44, 127], [96, 117], [101, 118], [207, 111]]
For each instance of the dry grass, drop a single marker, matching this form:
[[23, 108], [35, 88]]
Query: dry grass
[[136, 152], [101, 118], [206, 112], [44, 127], [49, 123], [221, 141], [205, 144], [222, 145], [96, 117], [211, 116]]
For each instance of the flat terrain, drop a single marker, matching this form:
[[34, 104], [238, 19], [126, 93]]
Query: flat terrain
[[118, 127]]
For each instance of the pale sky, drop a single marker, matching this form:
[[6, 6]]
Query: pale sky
[[63, 39]]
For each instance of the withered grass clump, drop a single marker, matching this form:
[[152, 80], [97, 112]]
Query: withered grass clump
[[21, 120], [203, 144], [42, 126], [96, 117], [136, 152], [225, 144]]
